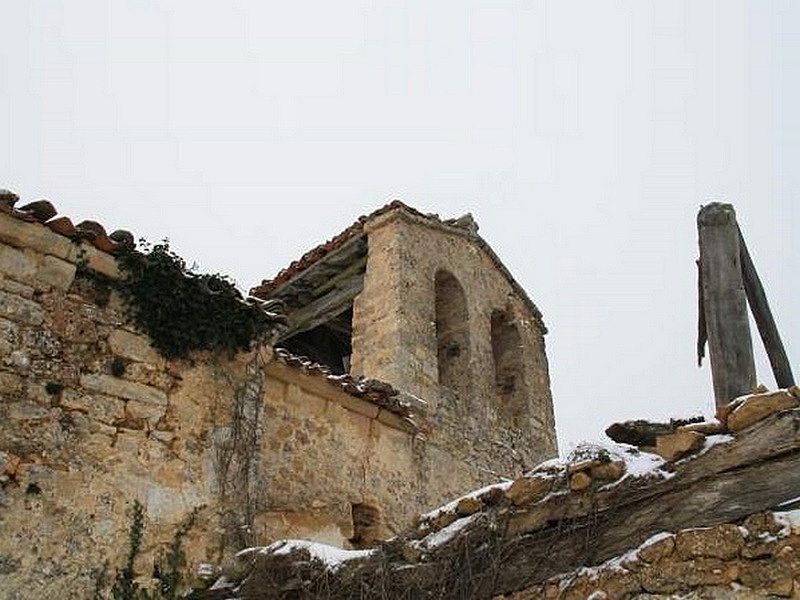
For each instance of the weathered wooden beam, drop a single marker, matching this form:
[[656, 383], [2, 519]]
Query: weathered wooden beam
[[324, 308], [765, 322], [724, 303], [354, 269], [327, 266]]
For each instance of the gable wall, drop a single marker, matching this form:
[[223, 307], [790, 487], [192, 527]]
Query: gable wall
[[394, 339]]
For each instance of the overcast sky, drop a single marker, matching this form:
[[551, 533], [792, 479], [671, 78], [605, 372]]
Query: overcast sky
[[583, 136]]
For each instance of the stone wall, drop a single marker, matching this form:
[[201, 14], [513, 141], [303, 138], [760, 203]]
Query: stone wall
[[758, 559], [395, 339], [93, 418]]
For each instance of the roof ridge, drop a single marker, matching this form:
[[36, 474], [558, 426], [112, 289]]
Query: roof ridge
[[320, 251]]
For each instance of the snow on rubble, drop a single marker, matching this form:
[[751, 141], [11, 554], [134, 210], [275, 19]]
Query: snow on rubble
[[331, 556]]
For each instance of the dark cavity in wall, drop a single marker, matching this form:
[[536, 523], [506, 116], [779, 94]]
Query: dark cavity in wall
[[328, 344], [367, 525], [452, 334], [509, 379]]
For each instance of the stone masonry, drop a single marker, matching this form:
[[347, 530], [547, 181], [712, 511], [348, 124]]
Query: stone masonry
[[395, 338], [93, 418]]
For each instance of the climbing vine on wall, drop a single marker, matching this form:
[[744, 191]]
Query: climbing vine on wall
[[182, 310]]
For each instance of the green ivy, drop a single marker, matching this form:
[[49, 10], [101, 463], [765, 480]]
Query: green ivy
[[168, 571], [182, 310], [125, 586]]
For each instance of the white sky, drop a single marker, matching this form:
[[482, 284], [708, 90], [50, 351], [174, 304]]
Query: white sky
[[582, 135]]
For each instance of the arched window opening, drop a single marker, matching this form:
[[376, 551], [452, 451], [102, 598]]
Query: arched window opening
[[452, 333], [507, 353]]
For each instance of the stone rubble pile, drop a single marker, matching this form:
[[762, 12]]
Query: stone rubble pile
[[533, 499], [759, 559]]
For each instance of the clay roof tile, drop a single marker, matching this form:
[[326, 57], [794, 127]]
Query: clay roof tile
[[43, 211], [376, 392]]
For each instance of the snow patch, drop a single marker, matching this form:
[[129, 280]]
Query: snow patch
[[332, 556], [474, 495], [709, 443], [446, 534], [663, 535], [789, 520], [641, 464]]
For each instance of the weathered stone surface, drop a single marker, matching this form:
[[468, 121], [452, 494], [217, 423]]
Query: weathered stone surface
[[668, 577], [396, 422], [468, 506], [758, 549], [17, 264], [15, 287], [610, 471], [94, 259], [42, 342], [754, 408], [56, 272], [527, 520], [771, 577], [133, 346], [657, 550], [10, 384], [664, 575], [20, 309], [583, 465], [149, 375], [723, 541], [442, 520], [579, 481], [71, 319], [105, 409], [33, 236], [678, 444], [723, 411], [136, 412], [612, 584], [8, 336], [129, 390], [527, 490], [762, 524], [19, 361]]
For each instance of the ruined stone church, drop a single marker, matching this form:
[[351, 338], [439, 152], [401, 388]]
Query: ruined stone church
[[410, 369]]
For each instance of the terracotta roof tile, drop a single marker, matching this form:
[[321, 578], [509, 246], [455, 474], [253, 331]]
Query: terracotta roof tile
[[316, 254], [376, 392], [465, 223], [43, 211]]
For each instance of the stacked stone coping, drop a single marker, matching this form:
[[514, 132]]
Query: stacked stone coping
[[758, 559], [32, 227], [35, 226], [464, 226], [596, 466]]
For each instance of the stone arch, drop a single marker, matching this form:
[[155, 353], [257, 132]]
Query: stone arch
[[452, 333], [508, 366]]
